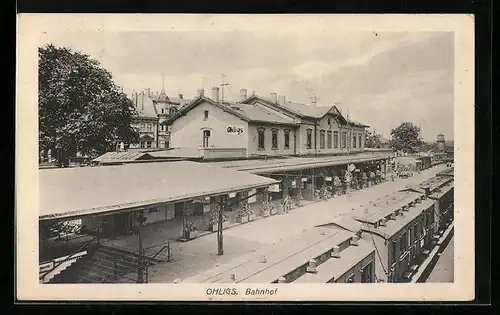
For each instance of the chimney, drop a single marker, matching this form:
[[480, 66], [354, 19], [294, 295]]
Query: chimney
[[148, 92], [336, 252], [311, 267], [273, 98], [215, 94], [313, 100], [354, 240], [393, 215], [181, 96], [282, 280], [282, 100], [382, 222], [201, 92], [243, 94]]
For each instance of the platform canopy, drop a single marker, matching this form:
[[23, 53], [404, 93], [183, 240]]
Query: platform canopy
[[67, 193], [299, 163]]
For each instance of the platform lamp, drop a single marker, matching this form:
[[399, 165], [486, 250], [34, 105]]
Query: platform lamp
[[141, 220]]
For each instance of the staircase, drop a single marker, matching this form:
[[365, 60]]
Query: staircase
[[105, 264]]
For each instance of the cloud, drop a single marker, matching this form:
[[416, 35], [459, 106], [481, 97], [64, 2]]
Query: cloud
[[383, 78]]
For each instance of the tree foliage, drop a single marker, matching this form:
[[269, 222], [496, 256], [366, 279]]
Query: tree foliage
[[80, 107], [373, 139], [405, 138]]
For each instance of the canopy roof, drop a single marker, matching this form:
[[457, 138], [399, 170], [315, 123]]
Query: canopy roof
[[75, 192]]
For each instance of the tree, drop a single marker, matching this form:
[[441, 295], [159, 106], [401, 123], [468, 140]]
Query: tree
[[80, 107], [373, 139], [405, 138]]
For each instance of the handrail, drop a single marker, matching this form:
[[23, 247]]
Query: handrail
[[68, 257], [158, 252]]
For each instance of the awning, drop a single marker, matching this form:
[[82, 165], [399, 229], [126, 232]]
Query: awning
[[75, 192]]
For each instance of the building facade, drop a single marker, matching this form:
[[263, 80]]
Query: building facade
[[153, 109]]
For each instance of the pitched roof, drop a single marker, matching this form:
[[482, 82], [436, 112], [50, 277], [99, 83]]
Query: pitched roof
[[246, 112], [305, 110], [257, 113], [79, 191], [121, 156]]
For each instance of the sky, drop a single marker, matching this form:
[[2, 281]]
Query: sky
[[379, 79]]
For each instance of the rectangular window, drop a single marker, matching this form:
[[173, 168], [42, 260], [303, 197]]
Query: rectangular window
[[367, 273], [148, 144], [329, 139], [205, 115], [344, 140], [335, 139], [274, 134], [260, 134], [206, 138], [359, 140], [309, 139], [354, 141], [287, 139], [322, 139], [142, 144]]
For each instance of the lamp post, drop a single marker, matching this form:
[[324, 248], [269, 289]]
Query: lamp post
[[220, 239], [140, 219]]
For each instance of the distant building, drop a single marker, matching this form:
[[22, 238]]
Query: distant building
[[441, 143], [153, 109]]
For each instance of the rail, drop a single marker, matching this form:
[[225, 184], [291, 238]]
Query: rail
[[71, 256]]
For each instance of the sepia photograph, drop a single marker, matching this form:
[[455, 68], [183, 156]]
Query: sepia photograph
[[246, 159]]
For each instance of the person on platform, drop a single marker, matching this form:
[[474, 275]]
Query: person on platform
[[347, 181], [364, 183], [378, 175], [372, 177], [336, 185]]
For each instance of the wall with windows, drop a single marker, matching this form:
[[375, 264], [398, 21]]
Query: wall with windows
[[362, 272], [207, 125], [271, 140], [148, 133]]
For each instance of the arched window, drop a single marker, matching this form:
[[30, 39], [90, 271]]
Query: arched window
[[274, 134], [287, 139], [329, 139], [309, 139], [335, 139], [321, 139], [354, 141], [206, 138]]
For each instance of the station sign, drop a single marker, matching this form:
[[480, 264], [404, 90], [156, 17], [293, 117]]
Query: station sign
[[232, 195], [234, 130], [274, 188], [328, 179], [294, 184], [304, 179]]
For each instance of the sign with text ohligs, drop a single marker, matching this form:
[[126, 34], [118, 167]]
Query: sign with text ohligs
[[234, 130]]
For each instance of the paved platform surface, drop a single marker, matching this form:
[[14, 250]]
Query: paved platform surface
[[200, 254], [443, 270]]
